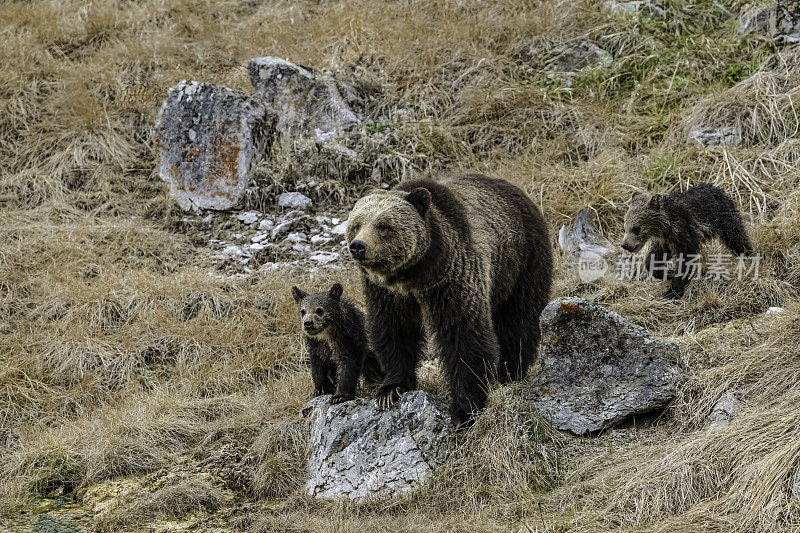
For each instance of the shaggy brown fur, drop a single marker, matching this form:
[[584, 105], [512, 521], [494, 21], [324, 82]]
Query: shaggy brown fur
[[467, 261], [333, 329], [679, 223]]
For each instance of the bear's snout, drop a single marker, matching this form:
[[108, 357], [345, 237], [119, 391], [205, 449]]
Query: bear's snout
[[627, 247], [358, 249], [308, 324]]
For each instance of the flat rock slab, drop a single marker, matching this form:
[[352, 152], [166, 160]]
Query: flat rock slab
[[360, 453], [210, 137], [303, 102], [599, 369]]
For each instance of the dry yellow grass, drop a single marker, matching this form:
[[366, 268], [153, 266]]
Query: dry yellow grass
[[120, 355]]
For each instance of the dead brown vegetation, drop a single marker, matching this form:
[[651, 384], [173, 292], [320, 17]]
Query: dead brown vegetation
[[121, 355]]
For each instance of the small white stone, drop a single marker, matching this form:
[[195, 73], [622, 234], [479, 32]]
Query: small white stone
[[339, 229], [317, 239], [323, 258], [280, 229], [774, 311], [249, 217], [294, 200], [266, 225], [297, 237]]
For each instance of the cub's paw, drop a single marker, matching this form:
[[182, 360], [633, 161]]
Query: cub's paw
[[672, 295], [388, 396], [319, 391], [339, 398]]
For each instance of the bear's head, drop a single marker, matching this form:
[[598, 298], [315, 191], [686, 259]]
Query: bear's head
[[388, 230], [644, 220], [318, 311]]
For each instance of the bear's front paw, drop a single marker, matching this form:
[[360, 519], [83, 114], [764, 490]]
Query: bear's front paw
[[388, 396], [672, 295], [339, 398], [319, 391]]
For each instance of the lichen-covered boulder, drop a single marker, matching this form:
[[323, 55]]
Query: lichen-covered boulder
[[360, 453], [787, 22], [210, 137], [599, 369], [303, 102]]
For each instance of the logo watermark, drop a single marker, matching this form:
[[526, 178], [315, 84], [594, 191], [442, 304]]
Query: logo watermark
[[717, 267]]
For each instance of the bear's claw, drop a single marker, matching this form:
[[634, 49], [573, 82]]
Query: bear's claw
[[388, 399], [339, 398]]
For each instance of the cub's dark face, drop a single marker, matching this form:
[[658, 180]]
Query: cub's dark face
[[386, 230], [642, 221], [318, 311]]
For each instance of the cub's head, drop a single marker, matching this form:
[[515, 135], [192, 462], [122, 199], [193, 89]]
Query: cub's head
[[318, 311], [643, 220], [387, 230]]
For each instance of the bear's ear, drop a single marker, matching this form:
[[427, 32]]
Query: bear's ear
[[336, 291], [656, 201], [298, 294], [420, 198]]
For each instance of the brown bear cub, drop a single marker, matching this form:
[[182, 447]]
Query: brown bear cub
[[336, 343], [679, 223], [463, 260]]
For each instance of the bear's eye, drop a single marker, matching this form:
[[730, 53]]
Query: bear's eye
[[635, 230], [383, 227], [302, 312], [356, 227], [319, 311]]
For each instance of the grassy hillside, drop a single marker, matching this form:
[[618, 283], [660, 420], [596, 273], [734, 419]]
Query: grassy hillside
[[121, 356]]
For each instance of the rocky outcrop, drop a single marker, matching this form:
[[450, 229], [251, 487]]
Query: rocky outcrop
[[779, 19], [599, 369], [360, 453], [787, 22], [210, 137], [303, 102]]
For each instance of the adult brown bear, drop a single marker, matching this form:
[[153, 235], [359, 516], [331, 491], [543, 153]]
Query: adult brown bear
[[463, 259]]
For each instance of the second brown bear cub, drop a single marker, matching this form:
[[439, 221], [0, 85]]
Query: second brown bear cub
[[679, 223], [333, 329]]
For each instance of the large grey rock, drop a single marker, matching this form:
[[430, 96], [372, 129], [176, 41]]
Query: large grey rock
[[715, 136], [210, 137], [360, 453], [787, 22], [302, 101], [599, 369], [757, 19]]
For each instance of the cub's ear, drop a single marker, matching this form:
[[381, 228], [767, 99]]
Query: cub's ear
[[656, 201], [298, 294], [335, 291], [420, 198]]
